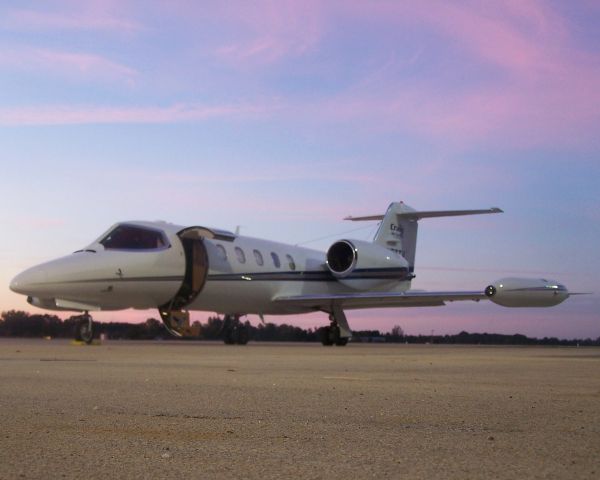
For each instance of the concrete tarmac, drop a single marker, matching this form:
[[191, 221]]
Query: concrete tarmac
[[206, 410]]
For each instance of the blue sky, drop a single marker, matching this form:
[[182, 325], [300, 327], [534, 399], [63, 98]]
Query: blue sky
[[284, 117]]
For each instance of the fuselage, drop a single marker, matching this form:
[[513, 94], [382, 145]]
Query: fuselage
[[146, 265]]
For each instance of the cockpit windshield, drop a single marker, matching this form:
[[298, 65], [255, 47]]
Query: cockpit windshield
[[133, 237]]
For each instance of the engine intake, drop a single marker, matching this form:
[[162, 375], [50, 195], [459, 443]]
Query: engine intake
[[363, 265], [341, 258]]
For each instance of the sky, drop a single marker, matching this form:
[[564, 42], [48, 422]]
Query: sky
[[285, 116]]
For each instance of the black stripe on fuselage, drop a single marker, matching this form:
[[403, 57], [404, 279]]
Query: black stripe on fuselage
[[316, 276], [303, 276]]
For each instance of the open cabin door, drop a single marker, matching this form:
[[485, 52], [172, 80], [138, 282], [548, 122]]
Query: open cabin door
[[174, 314]]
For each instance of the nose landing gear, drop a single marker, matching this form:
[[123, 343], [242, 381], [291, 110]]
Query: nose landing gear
[[84, 330]]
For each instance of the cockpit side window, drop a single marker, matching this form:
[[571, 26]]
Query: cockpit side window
[[133, 237]]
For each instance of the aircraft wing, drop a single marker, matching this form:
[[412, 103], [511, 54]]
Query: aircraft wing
[[350, 301]]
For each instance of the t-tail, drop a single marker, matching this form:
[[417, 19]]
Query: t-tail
[[398, 228]]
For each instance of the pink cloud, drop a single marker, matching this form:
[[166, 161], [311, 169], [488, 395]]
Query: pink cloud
[[269, 31], [514, 36], [78, 115], [540, 88], [93, 16], [544, 88], [66, 64]]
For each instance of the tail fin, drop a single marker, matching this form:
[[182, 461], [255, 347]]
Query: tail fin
[[398, 228]]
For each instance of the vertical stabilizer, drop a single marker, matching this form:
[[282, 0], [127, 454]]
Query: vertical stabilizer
[[398, 228], [398, 231]]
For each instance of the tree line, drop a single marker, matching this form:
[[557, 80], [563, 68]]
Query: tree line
[[15, 323]]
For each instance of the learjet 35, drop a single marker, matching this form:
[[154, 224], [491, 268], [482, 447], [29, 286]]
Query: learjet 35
[[177, 269]]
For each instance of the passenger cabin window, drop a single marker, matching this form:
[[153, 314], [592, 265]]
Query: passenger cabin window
[[259, 258], [291, 262], [221, 253], [241, 256], [276, 261], [132, 237]]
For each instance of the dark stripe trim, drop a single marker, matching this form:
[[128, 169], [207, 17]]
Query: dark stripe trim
[[303, 276], [315, 276]]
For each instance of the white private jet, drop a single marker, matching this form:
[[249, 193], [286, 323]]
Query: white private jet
[[176, 269]]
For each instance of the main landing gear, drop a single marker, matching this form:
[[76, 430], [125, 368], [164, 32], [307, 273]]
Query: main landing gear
[[234, 331], [338, 332], [84, 330]]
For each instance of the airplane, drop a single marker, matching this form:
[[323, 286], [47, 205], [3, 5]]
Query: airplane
[[178, 269]]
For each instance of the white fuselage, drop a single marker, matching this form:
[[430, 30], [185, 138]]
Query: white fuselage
[[235, 287], [243, 276], [145, 265]]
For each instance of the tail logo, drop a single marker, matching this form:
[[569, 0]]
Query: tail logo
[[396, 231]]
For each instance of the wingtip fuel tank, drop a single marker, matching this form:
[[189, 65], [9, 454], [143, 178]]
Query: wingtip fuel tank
[[526, 292]]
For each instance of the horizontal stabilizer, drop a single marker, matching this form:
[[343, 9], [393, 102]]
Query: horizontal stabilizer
[[428, 214], [398, 228]]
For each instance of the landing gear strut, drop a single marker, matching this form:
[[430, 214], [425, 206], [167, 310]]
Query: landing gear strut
[[84, 331], [338, 333], [234, 331]]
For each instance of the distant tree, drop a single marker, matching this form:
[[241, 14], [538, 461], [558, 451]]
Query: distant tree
[[211, 330], [397, 331], [16, 323], [153, 328], [396, 335]]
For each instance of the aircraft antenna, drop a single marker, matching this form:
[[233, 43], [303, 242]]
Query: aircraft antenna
[[335, 235]]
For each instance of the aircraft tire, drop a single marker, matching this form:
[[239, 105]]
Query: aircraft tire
[[236, 335], [336, 338], [85, 330], [325, 336]]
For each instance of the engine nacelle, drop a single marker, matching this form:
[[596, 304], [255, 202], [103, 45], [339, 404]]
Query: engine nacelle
[[527, 292], [363, 265]]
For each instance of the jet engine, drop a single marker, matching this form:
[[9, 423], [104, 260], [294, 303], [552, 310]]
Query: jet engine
[[363, 265], [526, 292]]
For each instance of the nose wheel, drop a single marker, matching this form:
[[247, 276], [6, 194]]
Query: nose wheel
[[85, 329]]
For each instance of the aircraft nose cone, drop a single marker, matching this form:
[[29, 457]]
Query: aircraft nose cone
[[26, 282]]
